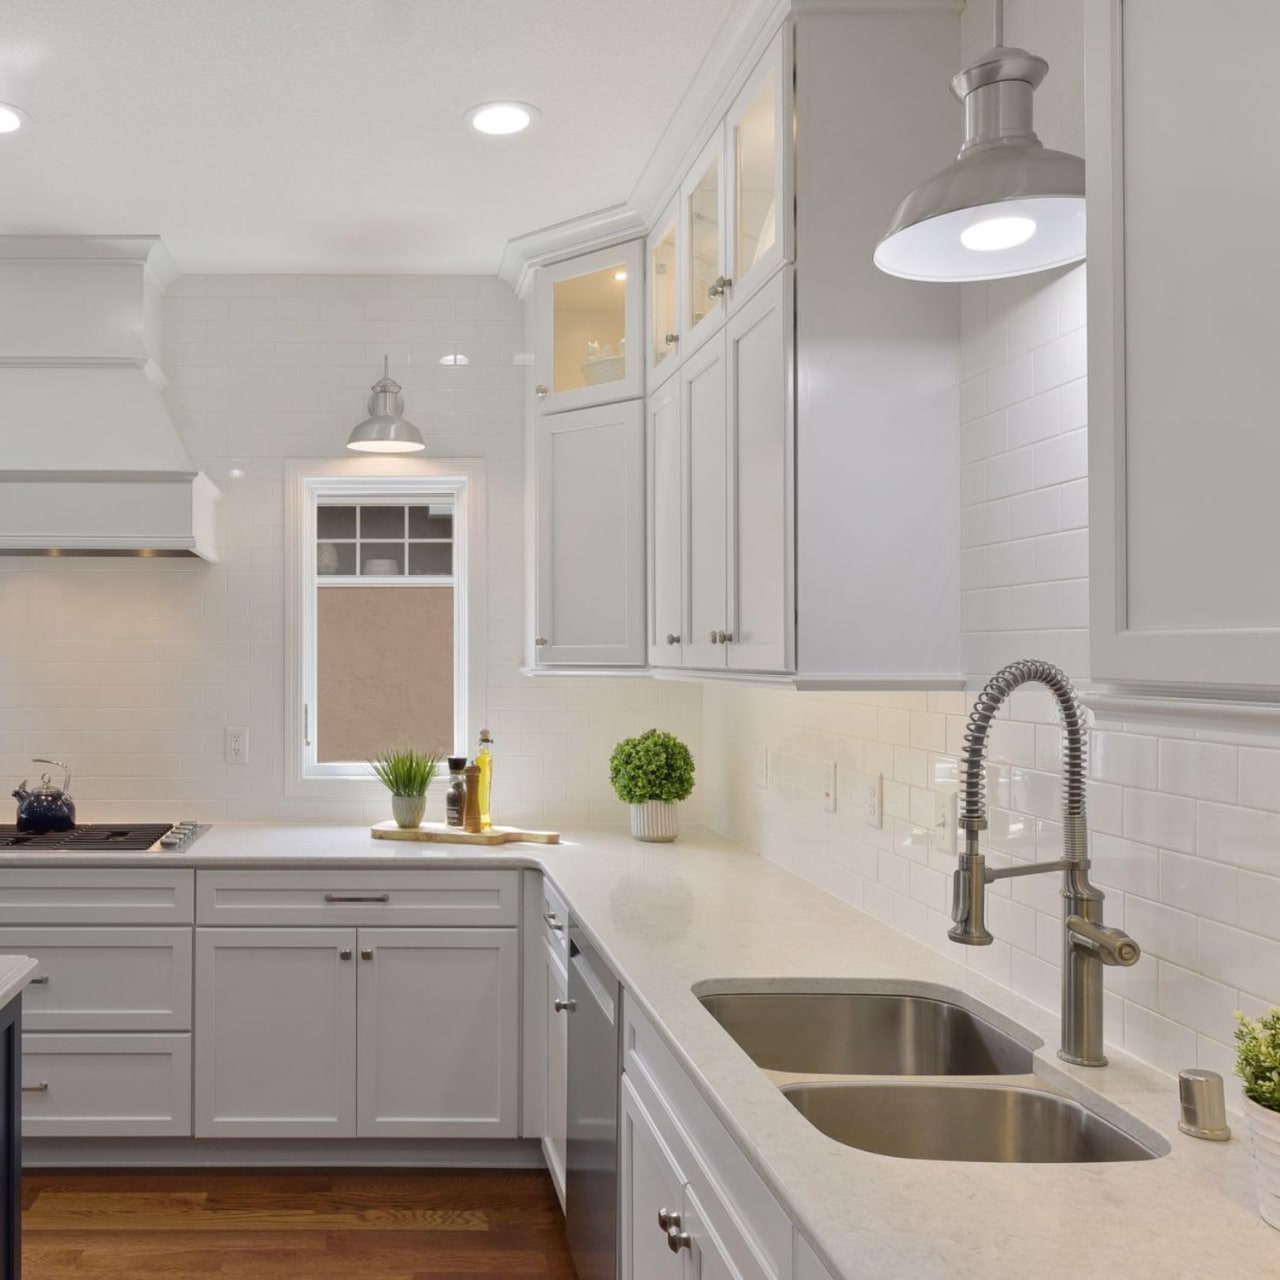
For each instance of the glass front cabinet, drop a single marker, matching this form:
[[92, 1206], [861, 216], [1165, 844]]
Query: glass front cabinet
[[589, 332], [662, 302]]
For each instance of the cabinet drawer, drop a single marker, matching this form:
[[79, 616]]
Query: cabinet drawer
[[80, 895], [555, 922], [106, 979], [457, 899], [91, 1086]]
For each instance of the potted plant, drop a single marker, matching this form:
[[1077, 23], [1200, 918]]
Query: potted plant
[[652, 773], [406, 772], [1258, 1065]]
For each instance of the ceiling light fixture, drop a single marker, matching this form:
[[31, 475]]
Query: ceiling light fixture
[[501, 118], [454, 358], [1008, 206], [11, 118], [386, 429], [620, 276]]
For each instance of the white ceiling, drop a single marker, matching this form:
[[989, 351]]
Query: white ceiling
[[328, 135]]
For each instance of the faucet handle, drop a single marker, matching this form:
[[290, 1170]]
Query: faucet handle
[[1111, 946]]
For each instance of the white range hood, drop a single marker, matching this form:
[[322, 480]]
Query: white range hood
[[90, 460]]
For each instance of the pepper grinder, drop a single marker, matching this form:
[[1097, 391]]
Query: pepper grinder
[[455, 801], [471, 808]]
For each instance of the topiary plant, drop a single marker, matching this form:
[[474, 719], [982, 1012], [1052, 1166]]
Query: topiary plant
[[1258, 1057], [653, 766]]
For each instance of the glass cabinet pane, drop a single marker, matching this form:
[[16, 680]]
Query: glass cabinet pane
[[381, 522], [703, 240], [589, 318], [662, 280], [756, 199]]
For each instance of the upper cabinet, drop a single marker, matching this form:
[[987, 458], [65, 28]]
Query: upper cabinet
[[1183, 450], [703, 224], [662, 276], [588, 329]]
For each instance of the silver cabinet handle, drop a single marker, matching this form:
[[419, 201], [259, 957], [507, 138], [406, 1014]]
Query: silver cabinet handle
[[540, 391], [717, 287], [42, 1087], [677, 1240], [672, 639], [553, 921], [344, 953], [542, 642], [357, 897], [671, 339], [42, 981], [565, 1006], [366, 953], [668, 1218]]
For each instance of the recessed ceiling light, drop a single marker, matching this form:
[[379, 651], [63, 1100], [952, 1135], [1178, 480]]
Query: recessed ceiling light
[[619, 276], [11, 118], [500, 118]]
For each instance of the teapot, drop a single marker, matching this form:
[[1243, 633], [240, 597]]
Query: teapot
[[46, 807]]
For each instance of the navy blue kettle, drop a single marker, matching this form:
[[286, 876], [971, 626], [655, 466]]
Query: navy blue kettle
[[46, 808]]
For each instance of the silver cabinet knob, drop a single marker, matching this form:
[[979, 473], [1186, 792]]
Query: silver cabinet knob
[[565, 1006], [671, 339], [553, 921], [366, 953], [714, 639], [542, 642], [677, 1240], [540, 391], [672, 639], [725, 637], [717, 288], [344, 953], [668, 1218]]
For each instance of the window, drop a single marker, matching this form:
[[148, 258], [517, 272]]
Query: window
[[383, 627]]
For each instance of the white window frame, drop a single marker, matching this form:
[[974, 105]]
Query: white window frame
[[308, 482]]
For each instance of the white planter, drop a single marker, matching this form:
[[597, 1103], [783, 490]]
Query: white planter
[[655, 820], [1264, 1138], [408, 810]]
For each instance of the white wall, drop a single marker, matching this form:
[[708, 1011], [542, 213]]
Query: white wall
[[129, 669], [1186, 824]]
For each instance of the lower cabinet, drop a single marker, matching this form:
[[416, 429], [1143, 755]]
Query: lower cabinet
[[346, 1032], [555, 1124], [651, 1190]]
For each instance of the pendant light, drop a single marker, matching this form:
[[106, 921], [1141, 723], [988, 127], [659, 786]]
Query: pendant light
[[1008, 206], [386, 429]]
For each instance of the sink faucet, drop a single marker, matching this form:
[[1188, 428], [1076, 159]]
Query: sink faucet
[[1087, 943]]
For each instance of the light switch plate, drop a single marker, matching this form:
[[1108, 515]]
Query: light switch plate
[[945, 820], [762, 767], [829, 786], [873, 795]]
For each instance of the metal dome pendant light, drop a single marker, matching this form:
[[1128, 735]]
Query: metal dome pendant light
[[386, 429], [1008, 206]]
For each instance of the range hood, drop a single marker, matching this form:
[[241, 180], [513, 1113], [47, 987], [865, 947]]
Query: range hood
[[91, 462]]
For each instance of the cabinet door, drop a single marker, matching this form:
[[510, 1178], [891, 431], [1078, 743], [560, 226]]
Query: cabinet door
[[275, 1013], [557, 1073], [761, 418], [708, 1252], [588, 342], [706, 501], [759, 203], [590, 556], [662, 295], [1183, 450], [704, 290], [650, 1183], [438, 1033], [666, 528]]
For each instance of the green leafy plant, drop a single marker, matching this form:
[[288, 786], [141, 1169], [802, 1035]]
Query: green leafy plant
[[405, 771], [1258, 1057], [654, 766]]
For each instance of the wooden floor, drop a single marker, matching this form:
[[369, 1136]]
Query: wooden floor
[[266, 1225]]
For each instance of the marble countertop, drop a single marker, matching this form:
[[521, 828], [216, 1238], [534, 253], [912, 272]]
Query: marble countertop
[[15, 973], [670, 916]]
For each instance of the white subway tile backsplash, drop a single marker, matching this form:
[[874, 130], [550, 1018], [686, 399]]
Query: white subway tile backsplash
[[1165, 1044], [1260, 778], [1247, 838], [1200, 769], [1198, 885], [1237, 959], [1166, 821], [1065, 457], [1123, 758], [1259, 904]]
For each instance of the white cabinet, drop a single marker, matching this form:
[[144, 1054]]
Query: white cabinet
[[437, 1033], [665, 469], [554, 1137], [663, 296], [808, 1267], [650, 1184], [275, 1017], [590, 537], [1183, 450], [589, 329], [704, 291]]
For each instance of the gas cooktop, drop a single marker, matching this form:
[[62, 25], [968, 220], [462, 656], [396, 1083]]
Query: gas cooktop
[[101, 836]]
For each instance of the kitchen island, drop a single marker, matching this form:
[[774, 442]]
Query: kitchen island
[[667, 918]]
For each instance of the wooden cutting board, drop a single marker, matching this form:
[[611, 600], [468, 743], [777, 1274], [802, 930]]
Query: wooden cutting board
[[437, 832]]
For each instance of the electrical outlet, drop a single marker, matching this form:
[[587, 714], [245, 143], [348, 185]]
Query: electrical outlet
[[829, 785], [874, 793], [762, 767], [236, 744], [946, 820]]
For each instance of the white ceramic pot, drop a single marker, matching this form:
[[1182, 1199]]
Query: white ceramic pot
[[408, 810], [1264, 1138], [655, 820]]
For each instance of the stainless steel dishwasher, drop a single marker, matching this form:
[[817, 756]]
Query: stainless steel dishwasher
[[591, 1181]]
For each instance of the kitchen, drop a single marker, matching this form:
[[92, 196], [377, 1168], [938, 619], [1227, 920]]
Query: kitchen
[[926, 482]]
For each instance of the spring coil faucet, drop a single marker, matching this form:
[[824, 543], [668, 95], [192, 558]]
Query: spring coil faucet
[[1087, 943]]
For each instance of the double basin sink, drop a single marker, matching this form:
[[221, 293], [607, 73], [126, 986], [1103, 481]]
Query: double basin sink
[[853, 1064]]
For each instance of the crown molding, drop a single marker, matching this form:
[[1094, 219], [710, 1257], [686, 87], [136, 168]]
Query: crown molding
[[597, 230]]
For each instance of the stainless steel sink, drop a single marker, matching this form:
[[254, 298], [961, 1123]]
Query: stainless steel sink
[[857, 1033], [974, 1122]]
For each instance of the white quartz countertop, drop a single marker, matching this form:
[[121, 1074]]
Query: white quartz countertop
[[670, 916], [15, 973]]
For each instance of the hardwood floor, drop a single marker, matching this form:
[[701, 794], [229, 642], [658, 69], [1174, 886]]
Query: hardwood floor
[[345, 1224]]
